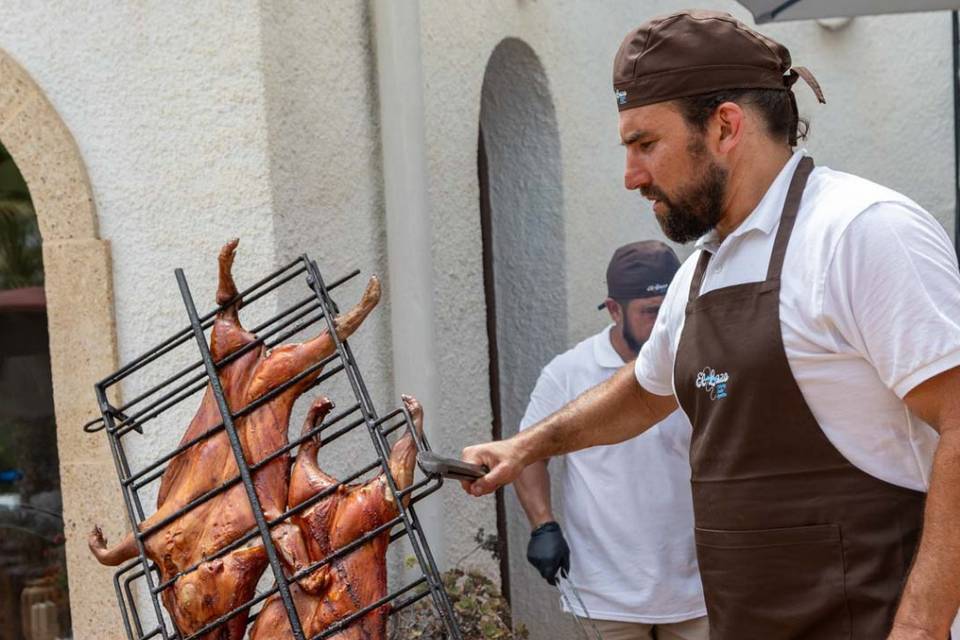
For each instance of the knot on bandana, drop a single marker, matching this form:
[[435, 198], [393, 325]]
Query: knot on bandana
[[789, 80]]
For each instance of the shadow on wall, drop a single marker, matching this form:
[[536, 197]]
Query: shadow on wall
[[525, 268]]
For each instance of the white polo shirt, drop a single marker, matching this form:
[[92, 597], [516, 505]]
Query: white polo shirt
[[869, 308], [627, 509]]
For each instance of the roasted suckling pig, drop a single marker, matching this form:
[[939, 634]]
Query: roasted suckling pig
[[217, 586], [359, 578]]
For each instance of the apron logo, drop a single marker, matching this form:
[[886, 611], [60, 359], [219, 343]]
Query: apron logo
[[713, 383]]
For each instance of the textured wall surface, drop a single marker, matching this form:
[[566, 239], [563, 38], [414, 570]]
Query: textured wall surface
[[198, 122], [523, 155], [166, 104], [888, 118]]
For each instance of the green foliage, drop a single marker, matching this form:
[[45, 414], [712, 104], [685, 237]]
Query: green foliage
[[482, 613], [21, 262]]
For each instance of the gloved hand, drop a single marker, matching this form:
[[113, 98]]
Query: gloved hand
[[548, 551]]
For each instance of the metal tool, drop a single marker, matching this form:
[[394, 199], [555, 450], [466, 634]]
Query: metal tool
[[438, 465], [564, 586]]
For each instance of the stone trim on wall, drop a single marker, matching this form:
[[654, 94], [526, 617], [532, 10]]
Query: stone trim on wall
[[83, 343]]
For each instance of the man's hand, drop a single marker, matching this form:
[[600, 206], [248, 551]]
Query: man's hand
[[620, 404], [548, 552], [502, 457]]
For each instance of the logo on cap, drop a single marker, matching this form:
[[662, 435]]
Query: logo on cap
[[621, 96], [657, 288]]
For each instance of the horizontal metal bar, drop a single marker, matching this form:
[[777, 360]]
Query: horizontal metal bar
[[253, 533], [184, 334], [339, 625], [196, 366], [217, 429], [136, 422], [201, 378], [344, 550], [396, 608], [210, 626], [336, 626], [193, 504], [255, 404]]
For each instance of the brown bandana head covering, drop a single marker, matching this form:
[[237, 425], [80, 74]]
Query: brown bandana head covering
[[691, 53]]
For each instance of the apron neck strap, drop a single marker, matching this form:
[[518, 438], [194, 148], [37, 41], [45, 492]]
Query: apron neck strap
[[788, 217], [698, 275]]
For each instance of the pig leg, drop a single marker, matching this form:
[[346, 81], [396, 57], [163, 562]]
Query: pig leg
[[371, 504], [403, 454], [306, 481], [228, 334], [287, 361], [111, 556]]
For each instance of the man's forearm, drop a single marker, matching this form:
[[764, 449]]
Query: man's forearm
[[533, 491], [932, 593], [611, 412]]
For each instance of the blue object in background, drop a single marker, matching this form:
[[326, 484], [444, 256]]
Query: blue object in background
[[10, 475]]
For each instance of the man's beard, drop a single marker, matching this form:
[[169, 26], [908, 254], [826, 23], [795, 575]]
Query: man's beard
[[632, 342], [698, 207]]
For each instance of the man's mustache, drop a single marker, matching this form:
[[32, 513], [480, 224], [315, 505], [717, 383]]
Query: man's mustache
[[653, 192]]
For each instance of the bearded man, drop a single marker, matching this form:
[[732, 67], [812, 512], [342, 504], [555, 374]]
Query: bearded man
[[812, 339]]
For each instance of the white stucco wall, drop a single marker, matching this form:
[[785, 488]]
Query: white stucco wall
[[888, 117], [199, 122]]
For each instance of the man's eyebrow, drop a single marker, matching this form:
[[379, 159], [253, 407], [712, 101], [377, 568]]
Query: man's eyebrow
[[633, 136]]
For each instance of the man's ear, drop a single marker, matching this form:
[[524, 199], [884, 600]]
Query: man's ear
[[728, 126], [614, 310]]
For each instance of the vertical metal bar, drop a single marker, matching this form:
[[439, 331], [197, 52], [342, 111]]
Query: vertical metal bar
[[420, 548], [217, 388], [123, 607], [125, 465], [134, 523]]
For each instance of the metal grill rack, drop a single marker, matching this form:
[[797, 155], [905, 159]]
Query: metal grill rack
[[123, 423]]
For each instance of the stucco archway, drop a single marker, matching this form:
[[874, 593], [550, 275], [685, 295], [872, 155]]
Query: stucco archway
[[79, 293], [522, 220]]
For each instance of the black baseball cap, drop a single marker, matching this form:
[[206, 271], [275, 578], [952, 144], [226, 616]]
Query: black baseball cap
[[640, 270]]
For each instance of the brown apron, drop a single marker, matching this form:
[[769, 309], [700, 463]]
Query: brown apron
[[794, 542]]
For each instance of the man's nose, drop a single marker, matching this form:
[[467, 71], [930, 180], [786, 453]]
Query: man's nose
[[636, 176]]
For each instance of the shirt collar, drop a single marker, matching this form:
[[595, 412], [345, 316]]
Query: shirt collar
[[603, 351], [766, 215]]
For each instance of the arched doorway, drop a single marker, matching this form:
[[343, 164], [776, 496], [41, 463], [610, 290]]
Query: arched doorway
[[33, 566], [521, 205], [77, 301]]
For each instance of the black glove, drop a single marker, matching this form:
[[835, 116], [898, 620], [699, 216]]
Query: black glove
[[548, 551]]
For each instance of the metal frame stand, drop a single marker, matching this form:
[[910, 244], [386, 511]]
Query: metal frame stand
[[133, 417]]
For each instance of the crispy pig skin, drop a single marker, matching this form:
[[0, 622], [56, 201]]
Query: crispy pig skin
[[217, 586], [359, 578]]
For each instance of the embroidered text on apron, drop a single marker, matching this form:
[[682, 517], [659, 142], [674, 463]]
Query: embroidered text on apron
[[794, 542]]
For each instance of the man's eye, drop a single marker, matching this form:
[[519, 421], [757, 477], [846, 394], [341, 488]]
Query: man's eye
[[646, 146]]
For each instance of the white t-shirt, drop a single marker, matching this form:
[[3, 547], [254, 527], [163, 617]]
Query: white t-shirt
[[869, 308], [627, 509]]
